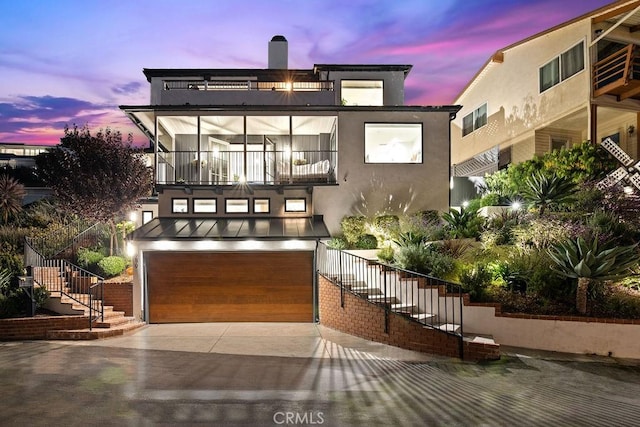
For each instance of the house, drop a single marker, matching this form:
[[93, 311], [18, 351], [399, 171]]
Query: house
[[253, 166], [574, 82], [19, 161]]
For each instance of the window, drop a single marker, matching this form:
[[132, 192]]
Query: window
[[562, 67], [295, 205], [204, 205], [362, 92], [474, 120], [147, 216], [236, 205], [393, 142], [261, 206], [179, 205], [558, 144]]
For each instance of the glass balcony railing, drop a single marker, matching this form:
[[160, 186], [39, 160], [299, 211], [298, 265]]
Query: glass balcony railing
[[252, 167]]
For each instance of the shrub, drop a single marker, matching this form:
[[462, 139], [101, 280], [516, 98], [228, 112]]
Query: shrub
[[88, 258], [475, 280], [423, 223], [413, 257], [353, 227], [112, 266], [540, 234], [338, 242], [386, 254], [439, 264], [386, 227], [367, 241]]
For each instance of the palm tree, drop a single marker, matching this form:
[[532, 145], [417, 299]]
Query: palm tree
[[542, 191], [586, 262], [11, 195]]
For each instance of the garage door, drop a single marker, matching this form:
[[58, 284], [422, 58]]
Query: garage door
[[230, 286]]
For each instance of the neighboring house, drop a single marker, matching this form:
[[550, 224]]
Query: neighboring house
[[254, 166], [20, 160], [574, 82]]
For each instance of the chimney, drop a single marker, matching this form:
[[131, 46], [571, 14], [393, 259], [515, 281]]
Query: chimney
[[278, 53]]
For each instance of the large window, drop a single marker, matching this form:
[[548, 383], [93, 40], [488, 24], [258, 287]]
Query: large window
[[474, 120], [362, 92], [562, 67], [393, 142]]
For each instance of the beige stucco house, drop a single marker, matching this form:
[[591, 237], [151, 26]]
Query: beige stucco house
[[574, 82]]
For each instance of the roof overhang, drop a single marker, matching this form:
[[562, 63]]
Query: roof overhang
[[197, 229]]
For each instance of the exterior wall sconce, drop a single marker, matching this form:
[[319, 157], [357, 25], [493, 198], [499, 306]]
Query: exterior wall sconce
[[631, 129]]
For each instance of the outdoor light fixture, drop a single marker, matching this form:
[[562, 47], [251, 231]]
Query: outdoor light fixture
[[465, 204], [516, 205]]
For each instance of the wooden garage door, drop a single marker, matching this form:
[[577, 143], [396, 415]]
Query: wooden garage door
[[230, 286]]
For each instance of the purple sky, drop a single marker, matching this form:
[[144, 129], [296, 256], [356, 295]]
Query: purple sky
[[74, 61]]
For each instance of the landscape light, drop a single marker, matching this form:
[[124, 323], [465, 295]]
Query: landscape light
[[516, 205]]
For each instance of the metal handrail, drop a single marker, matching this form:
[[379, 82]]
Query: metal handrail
[[58, 241], [59, 275], [432, 302]]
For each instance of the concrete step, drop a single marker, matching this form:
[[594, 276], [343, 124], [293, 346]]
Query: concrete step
[[404, 307], [425, 317], [448, 327], [364, 291], [354, 284], [95, 333], [381, 299]]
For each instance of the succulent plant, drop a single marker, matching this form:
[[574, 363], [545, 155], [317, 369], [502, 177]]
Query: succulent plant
[[587, 261]]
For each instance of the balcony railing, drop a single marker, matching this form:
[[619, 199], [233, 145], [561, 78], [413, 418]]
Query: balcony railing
[[256, 167], [618, 74], [225, 85]]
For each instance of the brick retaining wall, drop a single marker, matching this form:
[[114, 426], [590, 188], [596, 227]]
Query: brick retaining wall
[[35, 328], [120, 296]]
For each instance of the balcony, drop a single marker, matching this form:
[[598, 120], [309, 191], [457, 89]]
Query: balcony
[[618, 74], [225, 85], [218, 168]]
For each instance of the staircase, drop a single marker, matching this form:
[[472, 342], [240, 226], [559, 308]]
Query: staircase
[[394, 303], [434, 303], [69, 296]]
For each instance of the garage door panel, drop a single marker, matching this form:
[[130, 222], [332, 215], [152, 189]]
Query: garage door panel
[[230, 286]]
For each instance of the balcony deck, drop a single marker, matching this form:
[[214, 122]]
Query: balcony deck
[[215, 168], [618, 74]]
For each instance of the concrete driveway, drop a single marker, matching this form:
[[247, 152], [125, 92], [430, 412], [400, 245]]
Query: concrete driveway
[[257, 374]]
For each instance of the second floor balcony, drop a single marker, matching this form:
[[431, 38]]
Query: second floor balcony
[[618, 74], [219, 168]]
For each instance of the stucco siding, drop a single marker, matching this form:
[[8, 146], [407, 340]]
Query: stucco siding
[[369, 189], [515, 106]]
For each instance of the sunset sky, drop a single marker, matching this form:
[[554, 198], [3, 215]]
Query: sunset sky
[[74, 61]]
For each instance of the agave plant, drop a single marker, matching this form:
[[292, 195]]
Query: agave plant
[[463, 223], [586, 261], [11, 194], [543, 191]]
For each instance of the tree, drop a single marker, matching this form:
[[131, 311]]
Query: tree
[[11, 195], [586, 261], [542, 191], [98, 177]]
